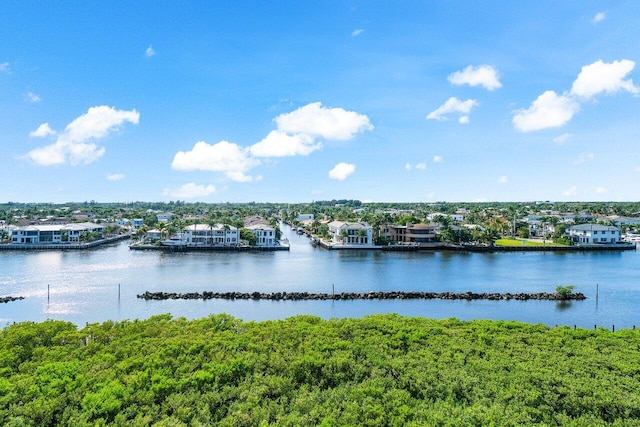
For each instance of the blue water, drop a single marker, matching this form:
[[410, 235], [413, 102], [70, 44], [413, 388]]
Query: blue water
[[102, 284]]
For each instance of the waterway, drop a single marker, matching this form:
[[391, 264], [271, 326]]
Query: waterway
[[101, 284]]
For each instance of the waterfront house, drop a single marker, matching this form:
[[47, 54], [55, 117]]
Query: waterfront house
[[265, 234], [211, 235], [55, 233], [358, 234], [137, 222], [588, 234], [304, 217], [412, 234]]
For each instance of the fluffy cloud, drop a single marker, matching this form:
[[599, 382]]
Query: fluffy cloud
[[600, 16], [224, 156], [32, 97], [316, 120], [547, 111], [42, 131], [562, 138], [503, 179], [341, 171], [419, 166], [553, 110], [438, 159], [149, 52], [115, 177], [482, 75], [453, 106], [71, 145], [584, 158], [601, 190], [357, 32], [602, 77], [281, 144], [190, 191]]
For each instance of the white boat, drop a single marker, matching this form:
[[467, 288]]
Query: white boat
[[174, 241]]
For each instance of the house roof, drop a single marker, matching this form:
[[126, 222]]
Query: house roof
[[593, 227]]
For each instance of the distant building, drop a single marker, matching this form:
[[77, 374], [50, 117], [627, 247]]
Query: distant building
[[304, 217], [265, 234], [137, 222], [593, 234], [68, 233], [351, 233], [211, 235], [414, 234], [164, 217]]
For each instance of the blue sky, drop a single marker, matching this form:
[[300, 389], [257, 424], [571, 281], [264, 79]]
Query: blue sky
[[294, 101]]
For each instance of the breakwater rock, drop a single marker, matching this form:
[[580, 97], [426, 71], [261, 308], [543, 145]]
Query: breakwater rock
[[9, 299], [299, 296]]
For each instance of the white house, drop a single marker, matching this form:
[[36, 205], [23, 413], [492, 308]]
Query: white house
[[351, 233], [593, 234], [57, 233], [137, 222], [164, 217], [304, 217], [265, 234], [211, 235]]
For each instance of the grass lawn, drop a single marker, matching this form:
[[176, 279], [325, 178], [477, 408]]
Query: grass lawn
[[518, 242]]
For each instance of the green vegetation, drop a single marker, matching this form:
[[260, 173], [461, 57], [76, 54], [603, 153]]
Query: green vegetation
[[378, 370], [565, 291], [518, 242]]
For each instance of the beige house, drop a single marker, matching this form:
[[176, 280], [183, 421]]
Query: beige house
[[414, 234]]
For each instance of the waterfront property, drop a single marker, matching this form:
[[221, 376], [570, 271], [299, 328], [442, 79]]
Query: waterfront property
[[350, 234], [411, 234], [265, 234], [56, 234], [210, 235], [589, 234]]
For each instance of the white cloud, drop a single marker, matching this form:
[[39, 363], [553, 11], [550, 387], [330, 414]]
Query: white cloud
[[224, 156], [32, 97], [438, 159], [190, 191], [341, 171], [463, 120], [482, 75], [561, 139], [71, 145], [357, 32], [42, 131], [503, 179], [408, 166], [453, 106], [4, 68], [115, 177], [149, 52], [280, 144], [570, 192], [637, 169], [601, 190], [421, 166], [600, 16], [547, 111], [316, 120], [604, 77], [584, 158]]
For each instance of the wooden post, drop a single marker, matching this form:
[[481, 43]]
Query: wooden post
[[333, 291], [613, 328], [48, 294], [118, 292], [597, 292]]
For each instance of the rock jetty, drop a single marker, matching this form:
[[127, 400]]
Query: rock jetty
[[9, 299], [299, 296]]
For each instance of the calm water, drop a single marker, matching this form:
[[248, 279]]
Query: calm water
[[84, 284]]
